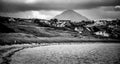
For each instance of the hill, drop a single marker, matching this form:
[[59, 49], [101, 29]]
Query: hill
[[71, 15]]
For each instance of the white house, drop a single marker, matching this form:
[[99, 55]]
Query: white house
[[79, 29], [102, 33]]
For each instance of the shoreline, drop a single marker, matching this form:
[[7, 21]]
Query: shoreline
[[59, 41]]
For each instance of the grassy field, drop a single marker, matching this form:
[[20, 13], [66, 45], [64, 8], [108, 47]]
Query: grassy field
[[27, 33]]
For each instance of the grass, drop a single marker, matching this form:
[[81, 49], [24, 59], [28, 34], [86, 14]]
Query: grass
[[31, 33], [27, 33], [22, 38]]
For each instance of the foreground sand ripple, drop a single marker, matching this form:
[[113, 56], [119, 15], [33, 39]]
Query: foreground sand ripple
[[88, 53]]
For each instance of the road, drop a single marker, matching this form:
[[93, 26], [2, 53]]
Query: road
[[87, 53]]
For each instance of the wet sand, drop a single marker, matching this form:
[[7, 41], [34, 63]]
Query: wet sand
[[84, 53]]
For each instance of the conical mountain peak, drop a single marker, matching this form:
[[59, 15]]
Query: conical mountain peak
[[69, 11], [71, 15]]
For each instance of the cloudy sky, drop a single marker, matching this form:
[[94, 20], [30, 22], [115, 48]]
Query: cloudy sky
[[46, 9]]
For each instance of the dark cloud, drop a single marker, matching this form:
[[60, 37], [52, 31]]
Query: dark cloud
[[10, 7], [111, 8], [16, 7], [102, 3]]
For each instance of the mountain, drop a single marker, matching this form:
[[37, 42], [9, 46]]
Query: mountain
[[71, 15]]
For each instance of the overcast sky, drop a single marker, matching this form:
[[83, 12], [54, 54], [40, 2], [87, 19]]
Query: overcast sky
[[46, 9]]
